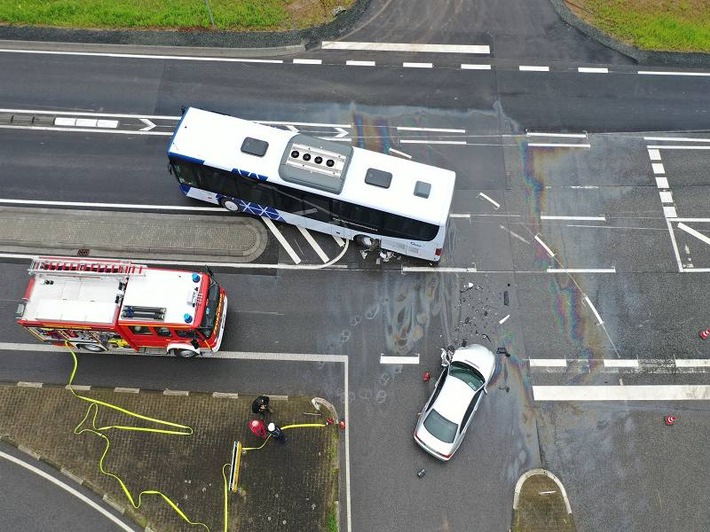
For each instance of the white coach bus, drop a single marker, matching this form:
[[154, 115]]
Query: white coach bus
[[325, 186]]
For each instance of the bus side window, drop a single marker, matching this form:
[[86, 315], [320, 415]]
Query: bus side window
[[140, 329], [162, 331], [186, 174]]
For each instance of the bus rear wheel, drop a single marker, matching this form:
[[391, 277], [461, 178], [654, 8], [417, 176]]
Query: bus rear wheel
[[183, 353], [229, 204]]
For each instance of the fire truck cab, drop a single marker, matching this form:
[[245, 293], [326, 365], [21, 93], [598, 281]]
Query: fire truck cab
[[107, 305]]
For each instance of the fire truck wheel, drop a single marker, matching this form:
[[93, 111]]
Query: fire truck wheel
[[230, 205], [94, 348], [183, 353]]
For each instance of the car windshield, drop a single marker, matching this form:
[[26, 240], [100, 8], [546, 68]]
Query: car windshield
[[440, 427], [466, 374]]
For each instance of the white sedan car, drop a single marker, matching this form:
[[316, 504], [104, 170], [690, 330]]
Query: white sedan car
[[446, 416]]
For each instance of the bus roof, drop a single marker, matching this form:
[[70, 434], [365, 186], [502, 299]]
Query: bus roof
[[376, 180]]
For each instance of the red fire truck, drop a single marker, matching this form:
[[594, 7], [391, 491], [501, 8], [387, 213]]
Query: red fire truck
[[107, 305]]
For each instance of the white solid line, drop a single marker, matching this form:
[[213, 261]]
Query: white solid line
[[144, 56], [699, 220], [307, 61], [547, 249], [668, 392], [692, 363], [658, 168], [452, 215], [313, 243], [621, 363], [495, 203], [662, 73], [555, 145], [68, 489], [589, 218], [666, 196], [594, 310], [454, 142], [548, 362], [680, 147], [419, 269], [533, 68], [110, 205], [348, 505], [282, 240], [359, 63], [581, 270], [434, 129], [407, 47], [676, 139], [693, 232], [79, 113], [475, 67], [662, 182], [400, 153], [593, 70], [503, 320], [557, 135], [654, 155], [86, 130], [674, 245], [417, 65], [384, 359]]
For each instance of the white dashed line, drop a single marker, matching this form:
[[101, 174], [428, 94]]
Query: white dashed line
[[533, 68], [353, 62], [594, 310], [468, 66], [417, 65], [546, 248], [307, 61], [588, 218], [412, 360], [593, 70]]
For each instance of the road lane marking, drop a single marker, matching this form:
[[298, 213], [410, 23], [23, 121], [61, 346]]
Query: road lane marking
[[548, 362], [452, 142], [353, 62], [621, 363], [581, 270], [385, 359], [430, 129], [693, 232], [307, 61], [466, 66], [282, 240], [547, 249], [533, 68], [588, 218], [313, 243], [557, 145], [668, 392], [666, 73], [662, 182], [676, 139], [503, 320], [68, 489], [658, 168], [417, 65], [400, 153], [594, 310], [495, 203], [558, 135], [593, 70], [407, 47]]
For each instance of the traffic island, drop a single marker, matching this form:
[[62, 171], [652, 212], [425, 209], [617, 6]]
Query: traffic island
[[290, 486], [541, 504]]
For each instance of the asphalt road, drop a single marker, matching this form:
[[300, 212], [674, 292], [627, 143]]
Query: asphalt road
[[596, 267]]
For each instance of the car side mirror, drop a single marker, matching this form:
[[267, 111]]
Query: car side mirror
[[485, 390]]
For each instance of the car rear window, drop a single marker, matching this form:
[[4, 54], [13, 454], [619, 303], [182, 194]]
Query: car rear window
[[440, 427]]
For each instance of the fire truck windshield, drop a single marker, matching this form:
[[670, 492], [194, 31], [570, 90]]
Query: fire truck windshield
[[210, 316]]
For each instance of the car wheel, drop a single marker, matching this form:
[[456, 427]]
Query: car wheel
[[94, 348]]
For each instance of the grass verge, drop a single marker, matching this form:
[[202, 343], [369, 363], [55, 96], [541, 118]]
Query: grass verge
[[659, 25], [233, 15]]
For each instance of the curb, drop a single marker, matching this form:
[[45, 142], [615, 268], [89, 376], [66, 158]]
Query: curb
[[643, 57]]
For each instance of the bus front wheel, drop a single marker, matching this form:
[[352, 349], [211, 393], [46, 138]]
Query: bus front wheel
[[184, 353], [229, 204]]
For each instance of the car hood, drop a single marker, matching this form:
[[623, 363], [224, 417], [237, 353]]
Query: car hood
[[477, 356]]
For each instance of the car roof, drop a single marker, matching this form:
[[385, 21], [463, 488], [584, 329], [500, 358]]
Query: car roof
[[454, 398]]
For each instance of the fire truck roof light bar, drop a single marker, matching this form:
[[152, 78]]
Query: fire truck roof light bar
[[78, 266]]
